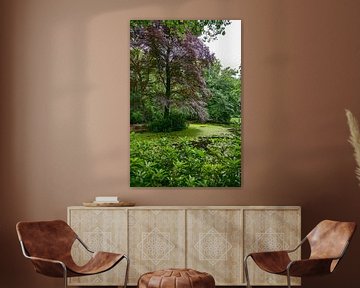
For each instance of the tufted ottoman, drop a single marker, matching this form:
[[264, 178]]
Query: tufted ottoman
[[176, 278]]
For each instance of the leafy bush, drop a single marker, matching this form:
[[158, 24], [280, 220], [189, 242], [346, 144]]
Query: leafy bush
[[136, 117], [185, 162], [174, 122]]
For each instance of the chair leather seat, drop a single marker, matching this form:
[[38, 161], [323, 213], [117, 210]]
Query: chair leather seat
[[99, 262], [272, 262]]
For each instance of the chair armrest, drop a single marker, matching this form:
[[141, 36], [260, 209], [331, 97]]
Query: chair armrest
[[48, 267], [280, 251], [269, 252], [309, 267], [83, 244], [298, 246], [45, 260]]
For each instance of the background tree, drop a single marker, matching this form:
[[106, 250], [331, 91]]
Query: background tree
[[173, 53], [224, 86]]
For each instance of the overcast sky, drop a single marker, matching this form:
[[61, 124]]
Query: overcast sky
[[227, 48]]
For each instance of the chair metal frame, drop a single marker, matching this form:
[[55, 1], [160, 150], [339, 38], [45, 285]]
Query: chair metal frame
[[26, 255]]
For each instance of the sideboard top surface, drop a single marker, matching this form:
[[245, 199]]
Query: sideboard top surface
[[193, 207]]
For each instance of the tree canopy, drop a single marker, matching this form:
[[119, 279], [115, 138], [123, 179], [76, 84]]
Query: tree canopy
[[172, 71], [209, 28]]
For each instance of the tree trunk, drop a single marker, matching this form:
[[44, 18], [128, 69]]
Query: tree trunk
[[168, 85]]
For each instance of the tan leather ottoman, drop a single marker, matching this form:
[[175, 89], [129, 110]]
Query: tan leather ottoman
[[176, 278]]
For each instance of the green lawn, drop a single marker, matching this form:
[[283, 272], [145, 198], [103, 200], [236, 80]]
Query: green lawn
[[194, 130]]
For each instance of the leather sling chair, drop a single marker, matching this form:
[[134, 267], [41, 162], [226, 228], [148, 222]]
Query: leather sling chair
[[48, 245], [328, 242]]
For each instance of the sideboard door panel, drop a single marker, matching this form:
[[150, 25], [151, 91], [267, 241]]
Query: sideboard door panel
[[270, 230], [101, 230], [214, 244], [156, 240]]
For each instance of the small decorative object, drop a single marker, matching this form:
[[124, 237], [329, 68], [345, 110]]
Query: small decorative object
[[354, 140], [108, 201]]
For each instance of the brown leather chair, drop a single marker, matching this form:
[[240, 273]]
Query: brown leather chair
[[328, 242], [48, 245]]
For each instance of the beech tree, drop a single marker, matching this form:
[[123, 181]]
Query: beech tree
[[174, 51]]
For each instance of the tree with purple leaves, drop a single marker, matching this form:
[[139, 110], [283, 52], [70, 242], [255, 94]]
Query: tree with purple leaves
[[167, 59]]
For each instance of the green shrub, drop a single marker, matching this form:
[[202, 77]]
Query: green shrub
[[136, 117], [185, 162], [174, 122]]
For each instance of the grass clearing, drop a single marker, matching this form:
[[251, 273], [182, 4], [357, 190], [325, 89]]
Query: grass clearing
[[194, 130]]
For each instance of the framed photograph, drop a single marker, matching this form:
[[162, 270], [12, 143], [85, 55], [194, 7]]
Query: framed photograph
[[185, 103]]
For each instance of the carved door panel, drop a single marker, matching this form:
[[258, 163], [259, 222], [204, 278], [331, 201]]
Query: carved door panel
[[214, 244], [156, 240], [101, 230], [270, 230]]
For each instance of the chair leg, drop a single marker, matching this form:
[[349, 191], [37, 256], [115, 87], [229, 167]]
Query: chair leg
[[246, 270], [65, 276], [127, 271], [288, 278]]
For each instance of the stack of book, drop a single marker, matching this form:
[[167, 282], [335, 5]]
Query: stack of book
[[106, 199]]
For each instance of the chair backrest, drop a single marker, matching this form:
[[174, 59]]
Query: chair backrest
[[329, 239], [46, 239]]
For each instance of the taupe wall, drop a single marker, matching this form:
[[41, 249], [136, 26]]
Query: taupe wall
[[64, 112]]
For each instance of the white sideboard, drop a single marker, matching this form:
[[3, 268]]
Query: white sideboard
[[212, 239]]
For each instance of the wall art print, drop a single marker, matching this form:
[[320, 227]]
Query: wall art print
[[185, 108]]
